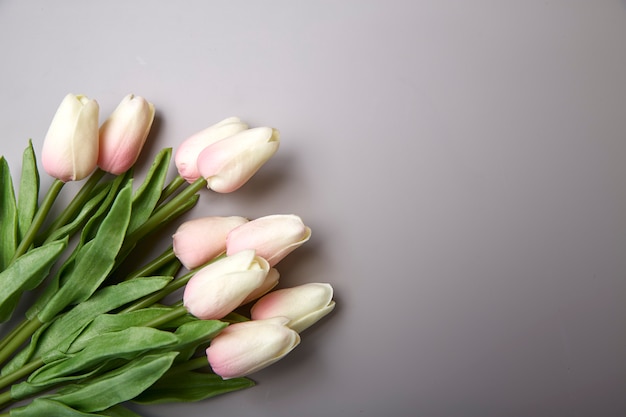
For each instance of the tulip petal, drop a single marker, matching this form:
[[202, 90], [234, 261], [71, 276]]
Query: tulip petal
[[187, 153], [272, 237], [231, 162], [70, 149], [199, 240], [222, 286], [302, 305], [247, 347], [124, 133]]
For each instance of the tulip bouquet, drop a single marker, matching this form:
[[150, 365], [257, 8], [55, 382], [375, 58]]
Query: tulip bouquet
[[103, 328]]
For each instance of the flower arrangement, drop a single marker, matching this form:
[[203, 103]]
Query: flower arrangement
[[98, 336]]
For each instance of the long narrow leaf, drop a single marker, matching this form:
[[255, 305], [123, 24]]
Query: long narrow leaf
[[117, 386], [147, 195], [196, 332], [8, 215], [41, 407], [107, 323], [28, 271], [190, 386], [83, 215], [93, 222], [116, 185], [95, 259], [125, 344], [26, 389], [64, 330], [119, 411], [28, 194]]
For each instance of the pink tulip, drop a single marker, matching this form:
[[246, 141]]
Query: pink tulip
[[199, 240], [273, 237], [271, 280], [70, 149], [187, 153], [231, 162], [220, 287], [247, 347], [303, 305], [124, 133]]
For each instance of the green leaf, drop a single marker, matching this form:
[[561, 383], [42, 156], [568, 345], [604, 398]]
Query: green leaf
[[190, 386], [125, 344], [196, 332], [116, 386], [27, 272], [119, 183], [8, 216], [46, 407], [94, 260], [192, 334], [147, 195], [26, 389], [63, 331], [178, 211], [86, 210], [22, 357], [28, 194], [106, 323], [119, 411]]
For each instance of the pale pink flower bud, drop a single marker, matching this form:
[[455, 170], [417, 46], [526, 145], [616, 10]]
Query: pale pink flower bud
[[199, 240], [231, 162], [247, 347], [273, 237], [271, 280], [187, 153], [303, 305], [70, 149], [220, 287], [124, 133]]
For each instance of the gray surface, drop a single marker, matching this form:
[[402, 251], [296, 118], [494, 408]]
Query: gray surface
[[461, 165]]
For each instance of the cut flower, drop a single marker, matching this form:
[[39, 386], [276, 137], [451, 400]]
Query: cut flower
[[244, 348], [70, 149]]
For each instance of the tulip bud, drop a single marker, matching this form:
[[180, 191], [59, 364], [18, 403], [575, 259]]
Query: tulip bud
[[303, 305], [220, 287], [272, 237], [70, 149], [243, 348], [124, 133], [187, 153], [271, 280], [231, 162], [199, 240]]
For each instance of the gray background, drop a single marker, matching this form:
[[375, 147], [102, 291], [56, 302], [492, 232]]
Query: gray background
[[461, 164]]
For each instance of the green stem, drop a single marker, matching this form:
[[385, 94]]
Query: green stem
[[24, 331], [75, 205], [177, 284], [39, 218], [174, 185], [167, 317], [22, 372], [149, 300], [154, 265], [162, 213], [5, 399], [166, 209], [12, 334]]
